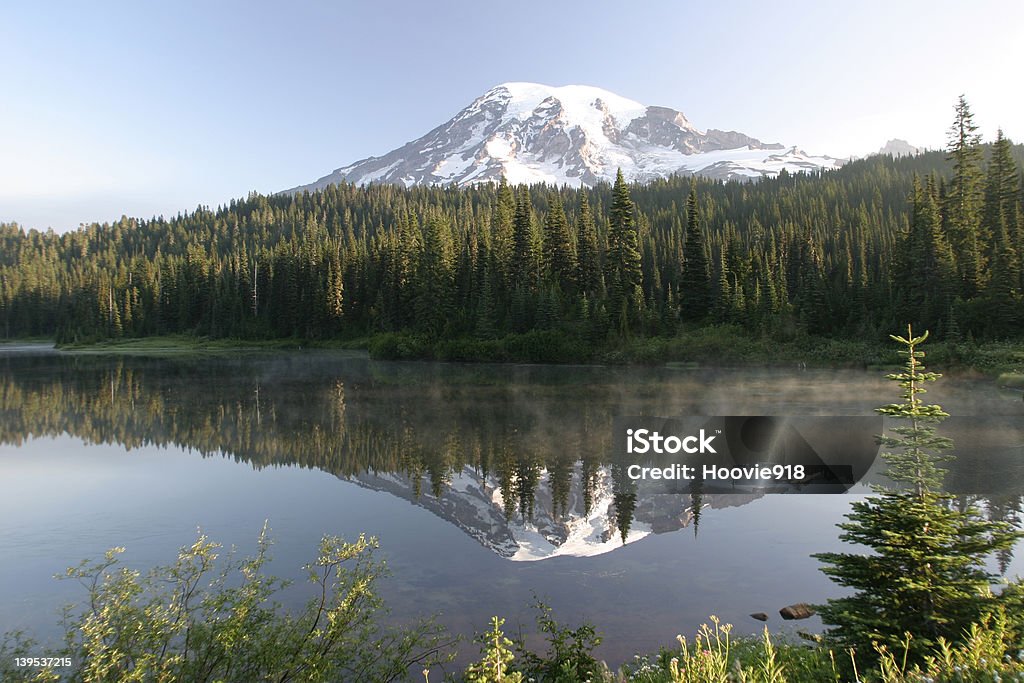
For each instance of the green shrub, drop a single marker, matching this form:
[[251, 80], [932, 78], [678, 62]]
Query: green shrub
[[569, 657], [192, 621], [396, 346], [493, 666]]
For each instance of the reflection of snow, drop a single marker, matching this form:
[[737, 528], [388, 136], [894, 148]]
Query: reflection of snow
[[477, 507], [592, 534]]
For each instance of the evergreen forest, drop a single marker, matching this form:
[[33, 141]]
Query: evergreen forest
[[935, 239]]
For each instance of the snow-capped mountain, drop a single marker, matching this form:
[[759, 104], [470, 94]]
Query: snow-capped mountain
[[475, 505], [576, 135]]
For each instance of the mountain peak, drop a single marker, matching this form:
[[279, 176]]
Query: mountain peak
[[570, 134], [899, 148], [576, 100]]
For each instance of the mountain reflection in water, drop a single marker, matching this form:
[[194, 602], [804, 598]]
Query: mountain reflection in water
[[515, 457]]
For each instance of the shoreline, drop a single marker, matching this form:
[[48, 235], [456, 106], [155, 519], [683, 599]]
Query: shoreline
[[722, 346]]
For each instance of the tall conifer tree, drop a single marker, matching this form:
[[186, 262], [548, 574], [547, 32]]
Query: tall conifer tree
[[589, 277], [695, 283], [559, 258], [925, 263], [435, 277], [622, 263], [925, 575], [523, 258], [1002, 218], [964, 200]]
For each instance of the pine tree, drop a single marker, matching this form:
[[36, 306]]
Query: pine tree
[[1002, 187], [925, 575], [501, 228], [964, 200], [622, 263], [434, 277], [523, 265], [925, 263], [409, 247], [724, 302], [1002, 301], [695, 283], [1002, 222], [486, 313], [559, 259], [589, 277], [810, 300], [335, 289]]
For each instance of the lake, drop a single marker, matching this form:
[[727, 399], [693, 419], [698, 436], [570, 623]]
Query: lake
[[485, 484]]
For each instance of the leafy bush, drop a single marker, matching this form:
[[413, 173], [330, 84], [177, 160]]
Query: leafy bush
[[191, 621], [394, 346], [569, 656]]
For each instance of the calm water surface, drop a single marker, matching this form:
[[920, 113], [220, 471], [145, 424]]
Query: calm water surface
[[485, 485]]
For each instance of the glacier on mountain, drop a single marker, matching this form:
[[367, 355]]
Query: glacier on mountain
[[574, 135]]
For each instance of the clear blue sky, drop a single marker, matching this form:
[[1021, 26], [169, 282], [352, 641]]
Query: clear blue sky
[[146, 108]]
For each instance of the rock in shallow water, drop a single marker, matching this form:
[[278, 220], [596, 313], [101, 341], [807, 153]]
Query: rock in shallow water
[[798, 611]]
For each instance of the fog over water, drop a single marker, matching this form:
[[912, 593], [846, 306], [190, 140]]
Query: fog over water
[[486, 484]]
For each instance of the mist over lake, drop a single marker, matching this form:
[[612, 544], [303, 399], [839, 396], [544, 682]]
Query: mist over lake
[[485, 484]]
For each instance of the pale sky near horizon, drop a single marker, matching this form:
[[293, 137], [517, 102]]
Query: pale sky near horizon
[[138, 108]]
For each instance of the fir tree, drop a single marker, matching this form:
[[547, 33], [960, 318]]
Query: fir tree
[[589, 276], [810, 300], [925, 262], [1002, 217], [522, 266], [502, 226], [434, 277], [925, 575], [695, 283], [1002, 187], [964, 200], [335, 289], [559, 259], [724, 302], [622, 262], [1002, 301], [486, 314]]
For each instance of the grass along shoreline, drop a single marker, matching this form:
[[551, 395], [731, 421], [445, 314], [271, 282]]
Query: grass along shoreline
[[706, 346]]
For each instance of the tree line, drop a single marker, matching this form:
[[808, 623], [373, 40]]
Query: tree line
[[935, 239]]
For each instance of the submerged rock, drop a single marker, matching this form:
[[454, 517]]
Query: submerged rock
[[760, 616]]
